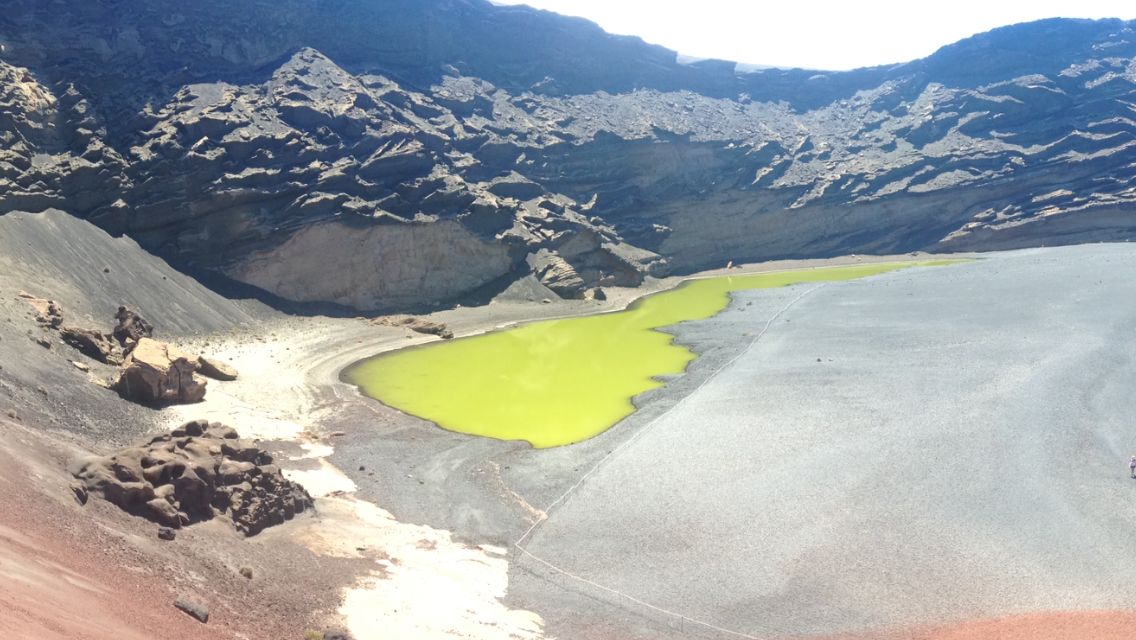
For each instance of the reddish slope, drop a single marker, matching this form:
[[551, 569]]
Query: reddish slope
[[58, 584], [1066, 625]]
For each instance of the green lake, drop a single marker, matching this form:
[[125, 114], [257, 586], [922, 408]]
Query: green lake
[[556, 382]]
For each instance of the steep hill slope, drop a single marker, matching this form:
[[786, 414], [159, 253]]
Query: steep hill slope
[[391, 153]]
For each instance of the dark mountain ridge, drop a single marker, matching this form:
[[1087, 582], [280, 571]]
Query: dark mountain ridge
[[454, 144]]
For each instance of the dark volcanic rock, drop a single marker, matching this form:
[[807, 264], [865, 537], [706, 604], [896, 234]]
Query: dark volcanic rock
[[93, 344], [504, 142], [193, 609], [131, 328], [198, 471]]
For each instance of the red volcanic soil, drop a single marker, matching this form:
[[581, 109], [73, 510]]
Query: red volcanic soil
[[1063, 625], [1068, 625], [66, 581], [71, 572]]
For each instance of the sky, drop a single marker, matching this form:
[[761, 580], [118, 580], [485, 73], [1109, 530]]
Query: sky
[[832, 35]]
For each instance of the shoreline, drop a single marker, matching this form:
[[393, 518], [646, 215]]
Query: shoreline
[[411, 372], [638, 294]]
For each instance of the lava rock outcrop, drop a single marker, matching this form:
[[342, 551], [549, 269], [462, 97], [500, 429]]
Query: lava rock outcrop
[[198, 471], [131, 327], [92, 343]]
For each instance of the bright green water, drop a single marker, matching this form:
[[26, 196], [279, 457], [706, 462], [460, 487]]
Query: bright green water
[[556, 382]]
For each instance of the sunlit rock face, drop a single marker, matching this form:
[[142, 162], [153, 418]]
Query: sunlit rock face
[[387, 153]]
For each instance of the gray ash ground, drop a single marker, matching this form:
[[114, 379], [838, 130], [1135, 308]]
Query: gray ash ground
[[922, 446]]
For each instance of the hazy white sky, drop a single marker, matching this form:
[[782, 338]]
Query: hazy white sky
[[820, 35]]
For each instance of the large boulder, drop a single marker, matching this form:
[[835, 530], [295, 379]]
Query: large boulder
[[196, 472], [558, 274], [156, 373], [93, 344]]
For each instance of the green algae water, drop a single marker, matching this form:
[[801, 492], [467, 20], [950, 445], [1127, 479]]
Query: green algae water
[[556, 382]]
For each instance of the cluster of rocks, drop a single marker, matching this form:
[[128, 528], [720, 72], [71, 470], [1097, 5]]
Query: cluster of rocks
[[198, 471], [49, 313], [94, 343], [419, 325], [152, 372]]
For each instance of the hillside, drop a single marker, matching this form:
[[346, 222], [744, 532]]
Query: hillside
[[394, 153]]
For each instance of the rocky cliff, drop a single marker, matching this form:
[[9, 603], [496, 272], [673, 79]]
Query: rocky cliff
[[391, 153]]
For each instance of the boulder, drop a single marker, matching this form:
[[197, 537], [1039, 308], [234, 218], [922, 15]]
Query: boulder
[[93, 344], [194, 610], [198, 471], [216, 369], [558, 274], [419, 325], [156, 373], [131, 327], [49, 313]]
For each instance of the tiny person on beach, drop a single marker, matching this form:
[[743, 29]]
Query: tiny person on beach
[[1132, 466]]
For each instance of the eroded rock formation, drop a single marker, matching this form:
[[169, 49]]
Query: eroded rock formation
[[198, 471], [392, 153], [93, 344], [157, 373], [131, 328]]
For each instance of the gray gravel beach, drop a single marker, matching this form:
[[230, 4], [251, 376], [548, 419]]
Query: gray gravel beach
[[918, 447]]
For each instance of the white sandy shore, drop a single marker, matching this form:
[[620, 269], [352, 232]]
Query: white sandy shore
[[424, 585]]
